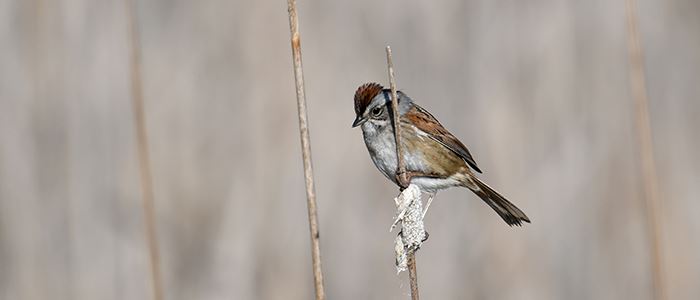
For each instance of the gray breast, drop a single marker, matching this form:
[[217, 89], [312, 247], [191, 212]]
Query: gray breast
[[381, 147]]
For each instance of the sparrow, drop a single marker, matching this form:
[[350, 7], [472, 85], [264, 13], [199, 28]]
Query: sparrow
[[434, 158]]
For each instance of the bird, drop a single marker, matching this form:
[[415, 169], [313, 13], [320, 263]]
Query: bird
[[434, 158]]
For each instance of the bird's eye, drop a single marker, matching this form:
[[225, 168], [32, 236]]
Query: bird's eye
[[377, 111]]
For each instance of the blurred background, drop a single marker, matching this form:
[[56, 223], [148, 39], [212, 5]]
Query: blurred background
[[538, 90]]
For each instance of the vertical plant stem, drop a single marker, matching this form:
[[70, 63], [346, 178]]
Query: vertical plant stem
[[413, 275], [401, 168], [644, 132], [142, 148], [306, 149]]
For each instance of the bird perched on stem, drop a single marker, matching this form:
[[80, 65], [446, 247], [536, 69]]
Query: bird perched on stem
[[434, 158]]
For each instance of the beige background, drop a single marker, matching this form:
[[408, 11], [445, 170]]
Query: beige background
[[538, 90]]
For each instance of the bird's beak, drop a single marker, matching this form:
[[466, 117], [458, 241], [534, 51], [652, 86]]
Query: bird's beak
[[358, 121]]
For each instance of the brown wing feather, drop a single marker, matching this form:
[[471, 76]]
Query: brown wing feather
[[424, 121]]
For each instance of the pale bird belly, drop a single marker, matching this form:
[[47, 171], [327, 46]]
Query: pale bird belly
[[432, 185]]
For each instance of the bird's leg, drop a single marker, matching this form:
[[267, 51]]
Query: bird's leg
[[430, 200], [403, 179]]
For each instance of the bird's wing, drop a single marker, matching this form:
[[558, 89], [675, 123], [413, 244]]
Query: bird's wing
[[425, 122]]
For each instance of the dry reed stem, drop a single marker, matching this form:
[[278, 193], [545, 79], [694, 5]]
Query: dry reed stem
[[401, 172], [306, 149], [413, 275], [142, 145], [644, 132]]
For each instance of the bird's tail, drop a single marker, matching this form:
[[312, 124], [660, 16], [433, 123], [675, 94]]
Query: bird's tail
[[508, 211]]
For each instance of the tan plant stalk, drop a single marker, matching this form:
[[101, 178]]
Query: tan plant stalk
[[306, 150], [142, 148], [644, 133], [401, 172]]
